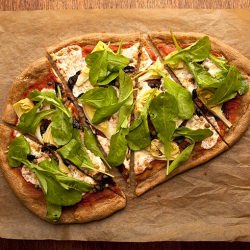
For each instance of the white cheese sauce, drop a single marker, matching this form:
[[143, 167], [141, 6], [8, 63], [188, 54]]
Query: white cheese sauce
[[197, 122], [79, 175], [132, 54], [142, 160], [145, 60], [69, 60], [211, 67]]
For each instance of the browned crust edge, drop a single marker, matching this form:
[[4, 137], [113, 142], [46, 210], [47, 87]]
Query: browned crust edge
[[93, 38], [195, 160], [34, 72], [235, 58], [95, 207]]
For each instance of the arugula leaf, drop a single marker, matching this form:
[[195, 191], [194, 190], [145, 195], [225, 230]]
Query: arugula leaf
[[196, 52], [91, 144], [194, 135], [202, 77], [125, 87], [99, 97], [163, 113], [229, 87], [97, 61], [75, 152], [118, 148], [104, 66], [61, 128], [29, 121], [183, 98], [220, 62], [20, 148], [182, 157], [49, 97], [106, 111], [53, 212], [139, 136]]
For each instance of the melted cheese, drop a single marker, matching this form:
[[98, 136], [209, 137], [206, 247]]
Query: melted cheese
[[211, 67], [142, 160], [126, 162], [105, 143], [69, 60], [29, 176], [97, 162], [132, 53], [185, 78], [197, 122], [145, 60], [79, 175], [80, 89]]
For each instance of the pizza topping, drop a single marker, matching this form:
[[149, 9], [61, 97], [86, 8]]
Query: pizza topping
[[29, 176], [142, 161], [132, 53], [23, 106], [145, 60], [129, 69], [201, 123], [79, 175], [69, 60], [73, 79], [211, 67]]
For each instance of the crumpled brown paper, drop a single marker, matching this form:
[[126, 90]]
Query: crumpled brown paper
[[210, 202]]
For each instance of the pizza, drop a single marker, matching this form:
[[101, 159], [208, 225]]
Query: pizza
[[146, 107]]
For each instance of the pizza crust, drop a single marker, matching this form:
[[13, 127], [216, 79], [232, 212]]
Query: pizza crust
[[94, 206], [153, 177], [235, 58], [92, 39], [33, 73]]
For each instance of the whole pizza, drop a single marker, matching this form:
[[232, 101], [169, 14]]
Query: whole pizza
[[145, 107]]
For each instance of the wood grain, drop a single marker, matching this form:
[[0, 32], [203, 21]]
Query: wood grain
[[111, 4]]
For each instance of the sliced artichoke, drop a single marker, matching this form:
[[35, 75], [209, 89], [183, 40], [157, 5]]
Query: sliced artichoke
[[47, 136], [204, 96], [23, 106], [62, 166], [108, 128], [157, 150], [101, 46]]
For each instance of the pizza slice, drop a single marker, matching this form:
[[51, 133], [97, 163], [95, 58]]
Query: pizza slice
[[55, 191], [97, 70], [169, 134], [216, 74], [39, 106]]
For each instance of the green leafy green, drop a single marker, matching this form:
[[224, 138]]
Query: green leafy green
[[104, 66], [50, 98], [196, 52], [125, 88], [30, 120], [183, 98], [220, 62], [194, 135], [75, 152], [61, 128], [139, 136], [118, 148], [182, 157], [228, 89], [202, 77], [20, 148], [99, 97], [53, 212], [91, 144], [163, 113]]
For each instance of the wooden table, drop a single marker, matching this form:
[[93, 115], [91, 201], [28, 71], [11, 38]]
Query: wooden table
[[107, 4]]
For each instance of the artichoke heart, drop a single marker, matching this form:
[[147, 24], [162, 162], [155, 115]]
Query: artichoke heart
[[47, 136], [23, 106], [157, 150], [205, 95], [62, 166], [107, 127], [101, 46]]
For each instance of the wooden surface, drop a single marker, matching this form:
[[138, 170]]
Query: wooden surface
[[107, 4]]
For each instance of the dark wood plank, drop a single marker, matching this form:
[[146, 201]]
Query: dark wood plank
[[110, 4]]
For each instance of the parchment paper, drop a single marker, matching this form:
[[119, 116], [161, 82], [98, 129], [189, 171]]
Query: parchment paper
[[210, 202]]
